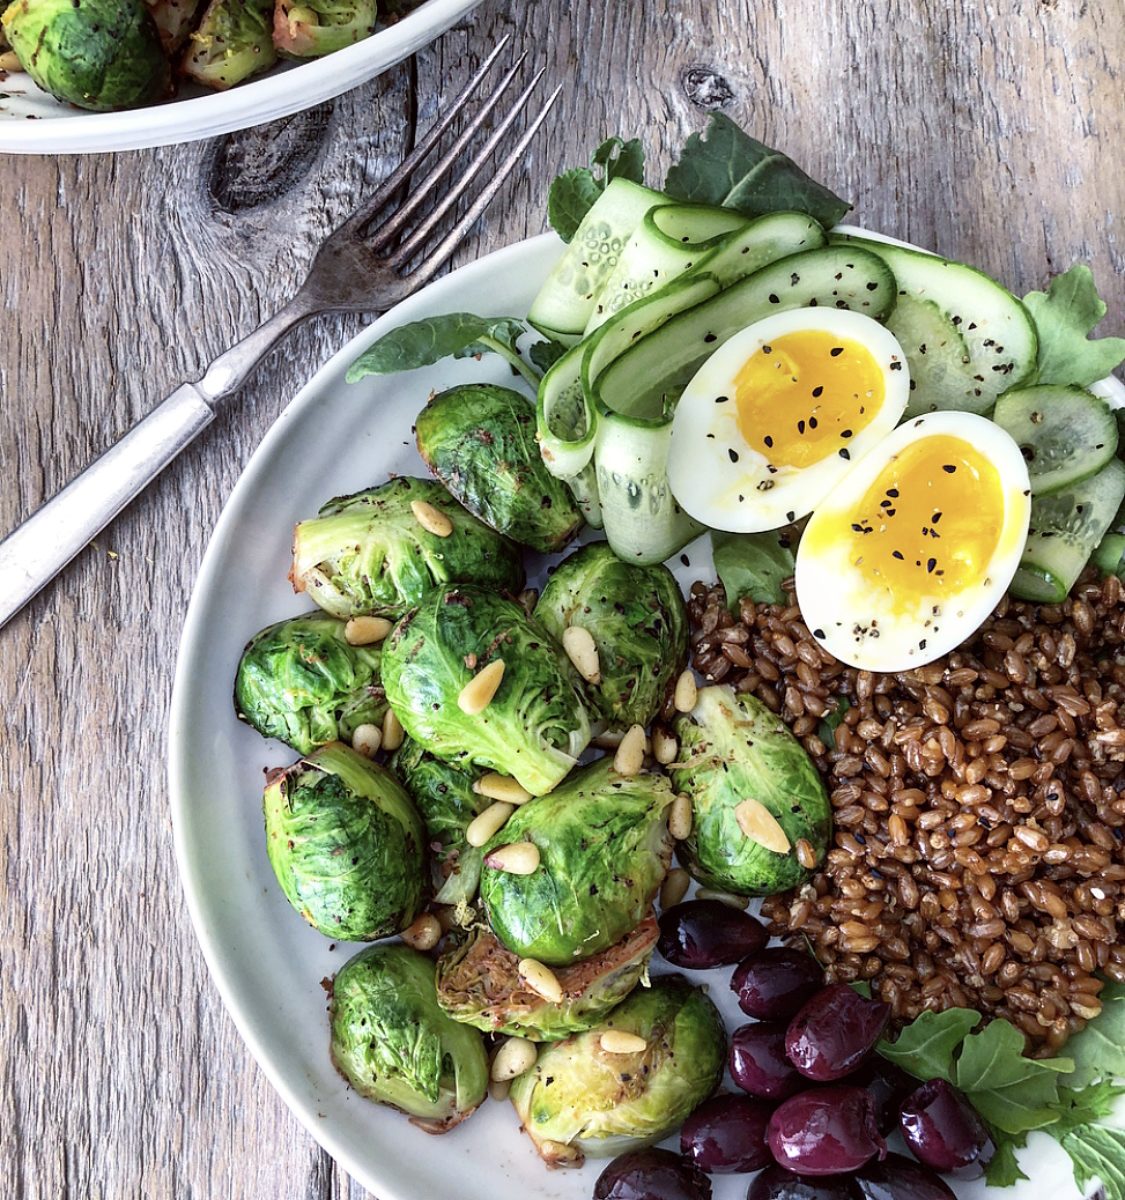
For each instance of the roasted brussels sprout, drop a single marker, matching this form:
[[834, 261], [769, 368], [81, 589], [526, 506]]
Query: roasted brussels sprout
[[479, 983], [393, 1044], [637, 620], [232, 43], [310, 28], [97, 54], [302, 682], [369, 553], [604, 848], [754, 793], [582, 1098], [345, 844], [444, 796], [479, 440], [174, 20], [533, 726]]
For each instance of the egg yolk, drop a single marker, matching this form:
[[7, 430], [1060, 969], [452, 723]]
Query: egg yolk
[[803, 396], [931, 522]]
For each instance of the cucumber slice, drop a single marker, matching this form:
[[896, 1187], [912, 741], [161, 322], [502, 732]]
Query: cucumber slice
[[1065, 528], [566, 425], [567, 299], [668, 242], [1109, 557], [1065, 433], [999, 346], [647, 379], [763, 241]]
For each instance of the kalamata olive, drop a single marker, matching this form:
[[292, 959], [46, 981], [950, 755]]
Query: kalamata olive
[[776, 1183], [889, 1086], [944, 1131], [758, 1063], [773, 983], [825, 1131], [900, 1178], [834, 1032], [727, 1134], [699, 934], [652, 1175]]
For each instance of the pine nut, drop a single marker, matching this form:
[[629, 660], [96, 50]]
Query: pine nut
[[559, 1154], [498, 1089], [583, 652], [424, 933], [393, 733], [501, 787], [727, 898], [366, 631], [519, 858], [664, 747], [484, 825], [367, 739], [431, 519], [617, 1041], [514, 1057], [674, 888], [760, 825], [542, 980], [477, 694], [686, 693], [679, 818], [630, 756]]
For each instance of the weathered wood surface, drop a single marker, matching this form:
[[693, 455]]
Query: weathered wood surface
[[994, 138]]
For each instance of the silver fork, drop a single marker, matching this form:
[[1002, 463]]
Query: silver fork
[[361, 267]]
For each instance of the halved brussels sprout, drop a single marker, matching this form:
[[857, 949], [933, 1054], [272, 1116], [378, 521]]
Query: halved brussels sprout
[[754, 794], [583, 1099], [637, 619], [444, 796], [311, 28], [604, 848], [535, 725], [394, 1045], [368, 553], [479, 440], [233, 42], [302, 682], [479, 983], [345, 844]]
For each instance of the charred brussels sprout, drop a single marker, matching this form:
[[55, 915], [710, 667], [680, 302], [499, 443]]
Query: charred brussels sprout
[[393, 1044], [444, 796], [533, 727], [479, 440], [232, 43], [345, 844], [754, 793], [310, 28], [369, 553], [479, 983], [604, 848], [174, 20], [301, 681], [581, 1099], [97, 54], [637, 619]]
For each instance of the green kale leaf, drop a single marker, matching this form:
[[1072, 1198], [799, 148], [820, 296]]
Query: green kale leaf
[[422, 343], [1064, 315], [573, 193]]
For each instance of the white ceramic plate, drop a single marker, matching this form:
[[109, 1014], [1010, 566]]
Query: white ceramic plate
[[268, 964], [31, 122]]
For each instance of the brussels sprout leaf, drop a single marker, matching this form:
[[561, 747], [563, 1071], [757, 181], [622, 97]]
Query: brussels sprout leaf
[[1064, 316], [925, 1047], [1099, 1050], [573, 193], [727, 167], [752, 565]]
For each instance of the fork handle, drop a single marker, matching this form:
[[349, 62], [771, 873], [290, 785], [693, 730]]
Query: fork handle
[[36, 551]]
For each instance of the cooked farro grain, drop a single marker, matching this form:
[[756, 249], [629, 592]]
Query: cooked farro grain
[[979, 802]]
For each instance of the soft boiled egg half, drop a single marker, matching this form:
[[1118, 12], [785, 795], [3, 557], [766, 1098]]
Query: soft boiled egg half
[[915, 547], [778, 415]]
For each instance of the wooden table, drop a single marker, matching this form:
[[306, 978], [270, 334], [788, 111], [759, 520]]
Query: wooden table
[[995, 139]]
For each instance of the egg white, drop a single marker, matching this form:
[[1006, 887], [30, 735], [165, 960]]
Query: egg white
[[723, 482]]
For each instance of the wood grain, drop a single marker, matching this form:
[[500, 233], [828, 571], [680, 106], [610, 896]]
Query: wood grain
[[993, 139]]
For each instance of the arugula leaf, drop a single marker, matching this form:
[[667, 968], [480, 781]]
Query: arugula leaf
[[1003, 1170], [545, 354], [727, 167], [1087, 1105], [861, 986], [420, 343], [925, 1047], [1099, 1050], [1098, 1151], [506, 330], [1064, 316], [573, 193], [752, 564]]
